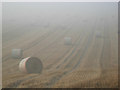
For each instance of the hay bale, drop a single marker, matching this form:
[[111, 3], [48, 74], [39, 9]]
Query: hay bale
[[67, 41], [98, 34], [17, 53], [31, 65]]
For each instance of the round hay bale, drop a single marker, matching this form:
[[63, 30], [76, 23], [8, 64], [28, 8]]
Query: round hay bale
[[31, 65], [98, 34], [17, 53], [68, 40]]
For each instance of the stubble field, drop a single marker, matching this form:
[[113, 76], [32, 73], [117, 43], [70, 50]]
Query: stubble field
[[90, 61]]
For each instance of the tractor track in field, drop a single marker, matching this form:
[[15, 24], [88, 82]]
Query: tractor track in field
[[57, 61], [8, 55], [82, 54], [106, 41], [38, 40], [102, 53], [20, 81], [86, 47], [67, 58], [101, 70], [75, 48], [43, 37], [78, 40], [33, 43], [55, 79], [51, 53], [52, 81], [17, 83], [52, 43], [65, 54]]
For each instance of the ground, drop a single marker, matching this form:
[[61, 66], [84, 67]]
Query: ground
[[90, 61]]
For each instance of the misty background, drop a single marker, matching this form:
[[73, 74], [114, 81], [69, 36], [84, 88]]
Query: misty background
[[19, 17]]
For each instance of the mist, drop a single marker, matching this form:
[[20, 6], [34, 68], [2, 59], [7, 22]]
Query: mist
[[21, 16], [60, 45]]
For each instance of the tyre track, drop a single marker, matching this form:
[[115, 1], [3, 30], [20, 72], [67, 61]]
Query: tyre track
[[78, 52], [78, 40], [100, 62], [52, 43], [106, 49], [36, 42], [64, 55], [17, 83], [72, 52], [55, 79], [82, 54], [31, 45]]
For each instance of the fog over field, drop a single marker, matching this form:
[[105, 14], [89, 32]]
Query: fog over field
[[42, 29], [23, 16]]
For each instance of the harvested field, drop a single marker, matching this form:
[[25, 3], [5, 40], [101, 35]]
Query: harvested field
[[90, 61]]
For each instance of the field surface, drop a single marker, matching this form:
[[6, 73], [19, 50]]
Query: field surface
[[90, 61]]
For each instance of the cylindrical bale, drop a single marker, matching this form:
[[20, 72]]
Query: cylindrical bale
[[98, 34], [17, 53], [67, 40], [31, 65]]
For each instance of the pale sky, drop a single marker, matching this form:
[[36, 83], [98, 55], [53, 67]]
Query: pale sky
[[21, 14]]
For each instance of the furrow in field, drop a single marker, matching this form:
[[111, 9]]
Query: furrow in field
[[96, 44], [62, 60], [66, 31], [58, 77], [52, 43], [65, 55], [33, 43], [40, 38], [38, 76]]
